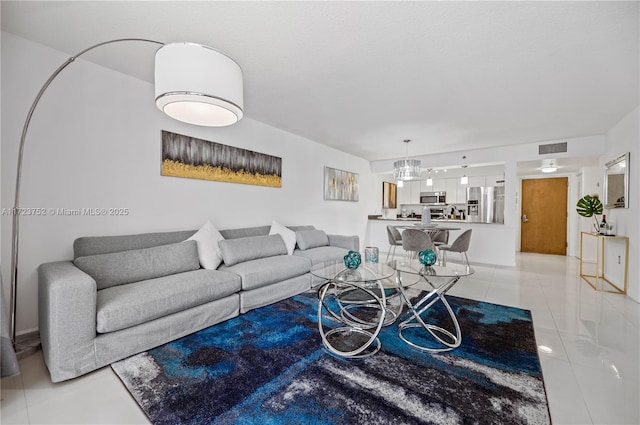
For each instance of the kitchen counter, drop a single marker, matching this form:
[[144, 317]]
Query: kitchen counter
[[485, 241], [418, 219]]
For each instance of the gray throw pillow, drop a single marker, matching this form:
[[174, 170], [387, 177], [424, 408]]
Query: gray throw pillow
[[236, 251], [308, 239], [119, 268]]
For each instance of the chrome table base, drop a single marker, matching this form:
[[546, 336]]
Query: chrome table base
[[452, 340], [360, 309], [363, 309]]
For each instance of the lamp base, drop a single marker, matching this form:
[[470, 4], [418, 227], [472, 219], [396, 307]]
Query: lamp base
[[27, 344]]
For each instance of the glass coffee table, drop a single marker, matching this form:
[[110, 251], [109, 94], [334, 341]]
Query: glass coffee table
[[360, 301], [441, 278]]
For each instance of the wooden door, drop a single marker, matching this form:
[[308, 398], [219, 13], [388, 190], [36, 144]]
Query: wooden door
[[544, 204]]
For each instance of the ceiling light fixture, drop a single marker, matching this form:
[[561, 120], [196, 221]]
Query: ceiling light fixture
[[406, 169], [429, 179], [549, 168], [464, 179]]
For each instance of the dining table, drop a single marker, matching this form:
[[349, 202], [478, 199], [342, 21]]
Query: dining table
[[432, 229]]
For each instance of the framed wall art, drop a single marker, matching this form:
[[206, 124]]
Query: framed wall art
[[188, 157], [340, 185]]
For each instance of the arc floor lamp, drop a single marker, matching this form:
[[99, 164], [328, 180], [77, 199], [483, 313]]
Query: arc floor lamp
[[195, 84]]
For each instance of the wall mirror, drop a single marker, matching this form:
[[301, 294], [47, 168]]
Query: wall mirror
[[616, 182]]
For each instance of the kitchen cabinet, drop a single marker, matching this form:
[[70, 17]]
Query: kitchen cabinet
[[404, 194], [476, 181], [409, 193], [416, 187], [439, 185], [492, 180], [456, 192]]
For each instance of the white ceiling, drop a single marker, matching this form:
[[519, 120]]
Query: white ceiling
[[363, 76]]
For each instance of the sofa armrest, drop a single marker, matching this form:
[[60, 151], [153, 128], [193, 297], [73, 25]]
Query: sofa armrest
[[67, 318], [351, 243]]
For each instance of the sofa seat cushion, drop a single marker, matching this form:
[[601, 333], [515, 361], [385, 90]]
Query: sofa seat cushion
[[265, 271], [322, 254], [123, 306]]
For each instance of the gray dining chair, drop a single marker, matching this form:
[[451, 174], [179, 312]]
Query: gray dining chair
[[461, 245], [395, 239], [414, 241], [440, 237]]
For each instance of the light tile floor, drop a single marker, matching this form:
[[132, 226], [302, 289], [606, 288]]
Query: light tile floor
[[589, 347]]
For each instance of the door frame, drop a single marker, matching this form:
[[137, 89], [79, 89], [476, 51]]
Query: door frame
[[572, 216]]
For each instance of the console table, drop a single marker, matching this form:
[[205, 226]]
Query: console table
[[599, 281]]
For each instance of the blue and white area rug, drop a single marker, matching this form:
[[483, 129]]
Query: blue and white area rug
[[269, 367]]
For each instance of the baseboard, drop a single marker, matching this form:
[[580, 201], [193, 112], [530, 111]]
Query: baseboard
[[27, 344]]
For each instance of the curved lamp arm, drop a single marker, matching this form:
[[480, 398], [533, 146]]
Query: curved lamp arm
[[16, 204]]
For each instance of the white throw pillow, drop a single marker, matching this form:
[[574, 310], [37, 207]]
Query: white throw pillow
[[208, 251], [288, 236]]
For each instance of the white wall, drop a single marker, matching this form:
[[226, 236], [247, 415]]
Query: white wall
[[625, 137], [95, 142]]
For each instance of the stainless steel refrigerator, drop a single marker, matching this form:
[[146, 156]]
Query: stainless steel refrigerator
[[485, 204]]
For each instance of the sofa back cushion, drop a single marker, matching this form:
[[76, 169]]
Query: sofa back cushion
[[119, 268], [308, 239], [93, 245], [236, 251], [245, 232]]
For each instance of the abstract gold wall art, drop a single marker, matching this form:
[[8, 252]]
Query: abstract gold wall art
[[184, 156], [340, 185]]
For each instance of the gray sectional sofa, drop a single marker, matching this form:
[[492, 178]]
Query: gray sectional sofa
[[122, 295]]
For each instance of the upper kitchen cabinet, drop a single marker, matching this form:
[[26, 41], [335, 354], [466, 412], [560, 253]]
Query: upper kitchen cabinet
[[475, 181], [479, 181], [404, 193], [439, 185], [456, 192], [409, 193], [493, 180]]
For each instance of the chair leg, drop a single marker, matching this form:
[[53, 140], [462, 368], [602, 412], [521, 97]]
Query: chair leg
[[466, 258], [389, 252]]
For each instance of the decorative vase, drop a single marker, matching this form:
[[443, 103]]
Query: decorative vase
[[352, 260], [427, 257], [371, 254]]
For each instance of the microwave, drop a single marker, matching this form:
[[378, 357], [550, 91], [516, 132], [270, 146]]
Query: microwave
[[433, 198]]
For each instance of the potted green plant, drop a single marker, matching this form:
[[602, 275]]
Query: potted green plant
[[590, 206]]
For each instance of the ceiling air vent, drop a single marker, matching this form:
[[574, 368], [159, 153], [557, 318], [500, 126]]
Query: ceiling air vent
[[552, 148]]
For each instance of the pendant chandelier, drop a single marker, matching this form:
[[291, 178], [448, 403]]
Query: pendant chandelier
[[406, 169]]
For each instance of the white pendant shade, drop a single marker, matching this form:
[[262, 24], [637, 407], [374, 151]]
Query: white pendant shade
[[198, 85], [464, 179]]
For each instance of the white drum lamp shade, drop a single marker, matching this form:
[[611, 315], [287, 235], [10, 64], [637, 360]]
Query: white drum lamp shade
[[198, 85]]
